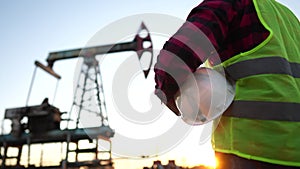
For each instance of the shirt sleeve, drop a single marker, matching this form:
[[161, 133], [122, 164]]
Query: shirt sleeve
[[195, 41]]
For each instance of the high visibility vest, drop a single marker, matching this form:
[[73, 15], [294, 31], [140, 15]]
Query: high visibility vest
[[263, 122]]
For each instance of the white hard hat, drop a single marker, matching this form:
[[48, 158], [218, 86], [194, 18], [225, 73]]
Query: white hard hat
[[204, 96]]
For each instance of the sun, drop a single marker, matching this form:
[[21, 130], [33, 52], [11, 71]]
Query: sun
[[212, 163], [201, 158]]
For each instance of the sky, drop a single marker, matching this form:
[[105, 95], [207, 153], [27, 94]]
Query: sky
[[30, 29]]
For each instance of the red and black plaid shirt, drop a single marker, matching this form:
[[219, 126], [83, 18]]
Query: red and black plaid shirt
[[231, 26]]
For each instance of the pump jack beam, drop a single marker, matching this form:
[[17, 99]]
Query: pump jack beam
[[137, 45]]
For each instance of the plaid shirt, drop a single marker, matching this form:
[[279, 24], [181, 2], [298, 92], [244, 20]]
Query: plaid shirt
[[227, 28]]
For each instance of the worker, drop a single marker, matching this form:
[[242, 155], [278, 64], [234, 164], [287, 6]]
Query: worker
[[257, 43]]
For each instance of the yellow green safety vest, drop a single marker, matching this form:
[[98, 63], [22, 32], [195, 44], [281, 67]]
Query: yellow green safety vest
[[263, 122]]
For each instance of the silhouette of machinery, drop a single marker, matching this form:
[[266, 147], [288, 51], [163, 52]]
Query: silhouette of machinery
[[40, 124]]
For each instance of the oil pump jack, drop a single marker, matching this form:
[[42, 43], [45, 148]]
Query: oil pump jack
[[43, 121]]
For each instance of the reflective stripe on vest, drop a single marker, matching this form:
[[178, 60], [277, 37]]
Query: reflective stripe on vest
[[267, 65], [264, 110]]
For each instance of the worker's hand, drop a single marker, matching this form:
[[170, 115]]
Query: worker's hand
[[169, 102], [172, 106]]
